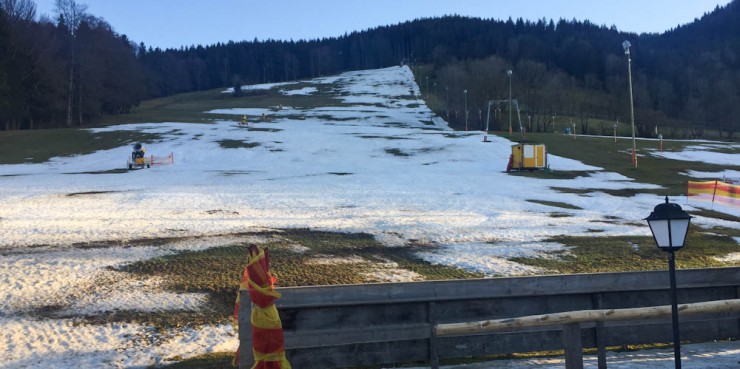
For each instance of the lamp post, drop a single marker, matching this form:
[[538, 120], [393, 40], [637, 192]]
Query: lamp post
[[447, 103], [488, 119], [615, 132], [669, 225], [427, 95], [626, 45], [465, 93], [509, 72]]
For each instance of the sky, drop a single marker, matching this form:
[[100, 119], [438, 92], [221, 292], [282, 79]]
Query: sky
[[175, 23]]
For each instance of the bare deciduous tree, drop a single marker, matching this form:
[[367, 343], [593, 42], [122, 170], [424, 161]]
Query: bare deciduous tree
[[19, 10]]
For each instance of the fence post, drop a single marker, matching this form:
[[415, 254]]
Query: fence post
[[432, 319], [600, 332], [573, 346]]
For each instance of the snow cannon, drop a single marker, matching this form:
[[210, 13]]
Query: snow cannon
[[138, 158]]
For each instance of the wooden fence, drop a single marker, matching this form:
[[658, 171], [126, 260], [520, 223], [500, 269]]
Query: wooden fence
[[374, 324]]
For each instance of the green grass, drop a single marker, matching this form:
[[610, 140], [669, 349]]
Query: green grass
[[39, 146], [191, 107], [633, 253], [216, 360], [217, 271]]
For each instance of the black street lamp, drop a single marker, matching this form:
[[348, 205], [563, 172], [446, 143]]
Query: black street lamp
[[669, 225]]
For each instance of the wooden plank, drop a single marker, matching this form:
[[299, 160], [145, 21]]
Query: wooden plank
[[600, 333], [359, 355], [246, 358], [499, 308], [345, 336], [499, 343], [573, 346], [432, 319], [354, 316], [324, 296], [585, 316]]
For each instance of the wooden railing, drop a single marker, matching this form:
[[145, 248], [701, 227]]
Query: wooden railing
[[376, 324], [571, 322]]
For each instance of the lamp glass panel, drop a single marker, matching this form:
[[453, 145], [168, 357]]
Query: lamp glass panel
[[660, 231], [678, 231]]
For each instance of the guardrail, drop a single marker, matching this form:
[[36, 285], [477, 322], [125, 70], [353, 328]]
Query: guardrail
[[375, 324]]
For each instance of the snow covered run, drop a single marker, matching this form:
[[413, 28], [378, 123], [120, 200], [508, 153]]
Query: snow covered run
[[377, 161]]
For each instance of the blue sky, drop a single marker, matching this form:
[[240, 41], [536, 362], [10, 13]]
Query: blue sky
[[174, 23]]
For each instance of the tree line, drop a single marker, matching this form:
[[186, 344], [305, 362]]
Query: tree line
[[74, 69], [62, 73]]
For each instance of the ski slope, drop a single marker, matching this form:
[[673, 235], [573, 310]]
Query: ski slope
[[378, 162]]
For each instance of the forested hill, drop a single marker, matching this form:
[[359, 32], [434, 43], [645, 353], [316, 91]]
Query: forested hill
[[71, 71]]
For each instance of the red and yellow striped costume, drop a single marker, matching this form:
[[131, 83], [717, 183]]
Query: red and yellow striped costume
[[267, 330]]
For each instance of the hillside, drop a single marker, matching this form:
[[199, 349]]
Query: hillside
[[352, 180], [684, 78]]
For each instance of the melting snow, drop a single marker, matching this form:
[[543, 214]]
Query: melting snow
[[380, 164]]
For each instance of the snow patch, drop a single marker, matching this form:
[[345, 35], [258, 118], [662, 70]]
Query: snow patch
[[303, 91]]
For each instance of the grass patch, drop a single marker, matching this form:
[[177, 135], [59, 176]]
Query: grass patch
[[397, 152], [38, 146], [550, 174], [215, 360], [236, 144], [577, 191], [260, 129], [217, 271], [89, 193], [556, 204], [633, 253], [715, 215], [557, 214], [191, 107], [385, 137]]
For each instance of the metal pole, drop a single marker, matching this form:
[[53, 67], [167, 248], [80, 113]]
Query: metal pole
[[632, 107], [465, 92], [509, 73], [674, 311], [488, 119], [674, 300], [447, 104]]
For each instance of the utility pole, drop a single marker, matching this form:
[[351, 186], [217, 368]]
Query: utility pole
[[509, 72], [626, 45], [465, 92]]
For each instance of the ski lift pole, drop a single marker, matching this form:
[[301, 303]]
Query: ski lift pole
[[519, 116], [488, 118]]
